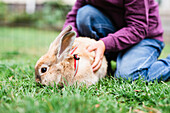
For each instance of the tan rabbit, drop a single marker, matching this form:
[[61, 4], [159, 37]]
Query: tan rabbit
[[68, 61]]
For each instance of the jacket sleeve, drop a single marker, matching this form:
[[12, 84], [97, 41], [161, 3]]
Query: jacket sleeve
[[71, 16], [136, 18]]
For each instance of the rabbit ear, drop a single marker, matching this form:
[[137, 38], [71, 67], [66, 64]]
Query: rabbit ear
[[65, 45], [54, 45]]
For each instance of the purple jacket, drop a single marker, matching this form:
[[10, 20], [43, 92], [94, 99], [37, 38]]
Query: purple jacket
[[135, 20]]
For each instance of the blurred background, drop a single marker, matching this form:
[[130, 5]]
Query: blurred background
[[27, 27], [48, 14]]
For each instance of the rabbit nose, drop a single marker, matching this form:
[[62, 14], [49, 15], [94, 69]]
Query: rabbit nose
[[38, 79]]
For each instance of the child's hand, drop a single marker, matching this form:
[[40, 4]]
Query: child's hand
[[99, 49]]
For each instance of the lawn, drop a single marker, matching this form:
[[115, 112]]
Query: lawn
[[20, 48]]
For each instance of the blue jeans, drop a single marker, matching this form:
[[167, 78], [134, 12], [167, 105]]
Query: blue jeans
[[139, 61]]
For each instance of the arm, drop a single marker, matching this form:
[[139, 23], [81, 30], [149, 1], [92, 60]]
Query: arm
[[71, 17], [136, 17]]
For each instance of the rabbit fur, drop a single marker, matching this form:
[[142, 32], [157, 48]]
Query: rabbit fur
[[57, 65]]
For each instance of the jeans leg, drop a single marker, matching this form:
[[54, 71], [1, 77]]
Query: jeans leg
[[159, 70], [141, 61], [93, 23]]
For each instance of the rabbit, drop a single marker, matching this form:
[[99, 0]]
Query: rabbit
[[57, 65]]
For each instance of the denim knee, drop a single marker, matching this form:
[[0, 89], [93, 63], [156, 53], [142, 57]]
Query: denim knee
[[85, 14], [91, 22]]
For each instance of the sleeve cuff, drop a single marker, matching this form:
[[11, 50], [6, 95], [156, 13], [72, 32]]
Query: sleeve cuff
[[109, 44]]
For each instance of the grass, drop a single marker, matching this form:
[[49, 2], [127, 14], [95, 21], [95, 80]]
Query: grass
[[19, 50]]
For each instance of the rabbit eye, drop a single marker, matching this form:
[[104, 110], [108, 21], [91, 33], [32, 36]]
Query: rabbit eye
[[43, 70]]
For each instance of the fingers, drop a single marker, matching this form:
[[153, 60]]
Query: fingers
[[99, 49], [91, 48], [97, 66], [98, 58]]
